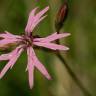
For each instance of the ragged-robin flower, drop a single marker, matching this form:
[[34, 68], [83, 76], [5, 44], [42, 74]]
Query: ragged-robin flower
[[26, 42]]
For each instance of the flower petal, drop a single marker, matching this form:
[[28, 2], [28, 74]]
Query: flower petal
[[6, 56], [51, 45], [8, 38], [30, 68], [52, 37], [11, 61], [9, 55], [35, 19], [38, 64], [30, 19], [36, 22], [31, 75], [8, 35], [5, 42]]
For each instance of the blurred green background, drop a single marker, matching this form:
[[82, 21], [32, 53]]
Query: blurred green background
[[81, 57]]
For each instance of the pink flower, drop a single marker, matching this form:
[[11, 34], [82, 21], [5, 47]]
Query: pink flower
[[26, 42]]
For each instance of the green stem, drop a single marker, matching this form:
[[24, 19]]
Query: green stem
[[72, 74]]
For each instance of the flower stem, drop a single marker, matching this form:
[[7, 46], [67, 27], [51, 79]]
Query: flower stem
[[59, 22], [72, 74]]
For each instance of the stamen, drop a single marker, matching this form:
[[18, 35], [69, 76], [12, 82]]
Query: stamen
[[27, 40]]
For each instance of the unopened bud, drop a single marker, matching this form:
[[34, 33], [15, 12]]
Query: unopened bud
[[61, 16]]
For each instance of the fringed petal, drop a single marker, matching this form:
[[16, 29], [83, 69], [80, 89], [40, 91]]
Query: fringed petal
[[38, 64], [8, 35], [30, 68], [52, 37], [35, 19], [51, 46], [30, 19], [12, 61]]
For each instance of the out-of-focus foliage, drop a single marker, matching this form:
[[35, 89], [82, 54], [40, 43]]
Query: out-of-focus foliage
[[81, 23]]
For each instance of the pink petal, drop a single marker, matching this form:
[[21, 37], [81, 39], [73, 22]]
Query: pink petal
[[30, 68], [35, 19], [9, 55], [17, 54], [41, 13], [36, 22], [6, 56], [31, 75], [5, 69], [30, 19], [8, 38], [51, 45], [8, 35], [11, 62], [4, 42], [38, 64], [52, 37], [42, 39]]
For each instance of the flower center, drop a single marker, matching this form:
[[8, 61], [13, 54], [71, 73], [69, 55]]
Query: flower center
[[27, 40]]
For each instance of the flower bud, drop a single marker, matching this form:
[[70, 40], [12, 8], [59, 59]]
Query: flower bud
[[61, 16]]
